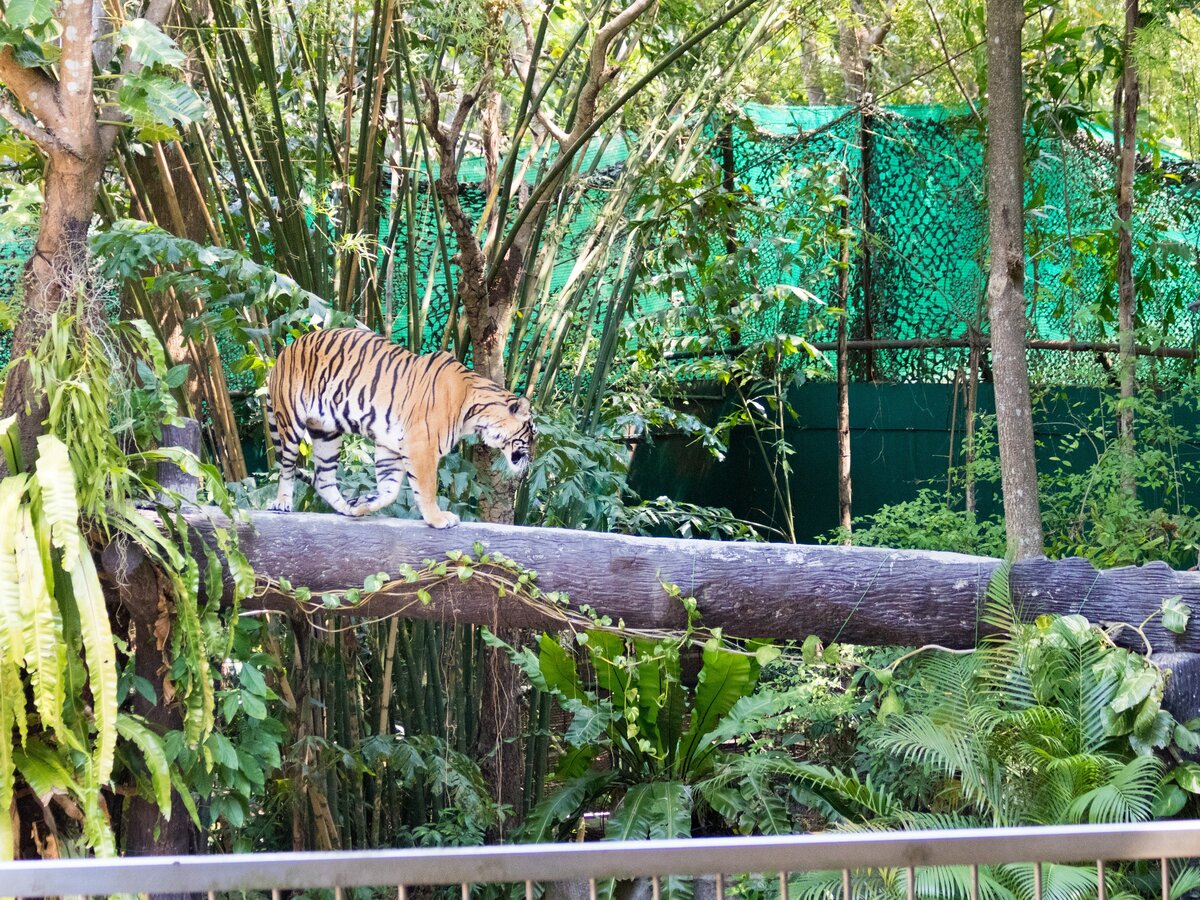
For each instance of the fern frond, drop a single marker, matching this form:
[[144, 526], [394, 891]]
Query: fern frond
[[45, 651], [8, 701], [998, 609], [12, 629], [101, 658], [59, 509], [150, 744]]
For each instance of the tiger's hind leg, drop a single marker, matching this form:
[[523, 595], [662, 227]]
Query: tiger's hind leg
[[285, 437], [390, 468], [325, 445]]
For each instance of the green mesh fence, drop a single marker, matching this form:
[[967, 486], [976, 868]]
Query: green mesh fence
[[923, 175]]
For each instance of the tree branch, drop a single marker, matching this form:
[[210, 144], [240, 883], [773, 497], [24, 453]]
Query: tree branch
[[28, 127], [543, 119], [33, 89], [599, 72], [472, 286]]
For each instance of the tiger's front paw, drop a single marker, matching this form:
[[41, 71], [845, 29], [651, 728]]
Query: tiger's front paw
[[278, 505], [364, 505], [442, 519]]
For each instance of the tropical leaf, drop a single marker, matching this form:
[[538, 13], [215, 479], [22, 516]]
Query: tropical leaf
[[955, 882], [1059, 882], [609, 654], [56, 484], [19, 14], [660, 809], [557, 668], [100, 653], [588, 723], [725, 678], [564, 806], [8, 700], [753, 714], [1127, 797], [148, 46], [12, 629], [10, 445], [134, 730], [184, 792], [45, 652], [153, 99], [96, 827], [45, 771]]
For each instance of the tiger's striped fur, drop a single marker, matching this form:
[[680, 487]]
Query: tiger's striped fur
[[340, 381]]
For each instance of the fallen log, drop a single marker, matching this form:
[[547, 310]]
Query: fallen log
[[861, 595]]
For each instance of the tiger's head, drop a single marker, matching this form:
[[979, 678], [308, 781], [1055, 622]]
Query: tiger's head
[[507, 425]]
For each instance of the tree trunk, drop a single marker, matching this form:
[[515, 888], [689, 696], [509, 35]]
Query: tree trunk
[[1128, 95], [55, 274], [810, 69], [1006, 280], [862, 595]]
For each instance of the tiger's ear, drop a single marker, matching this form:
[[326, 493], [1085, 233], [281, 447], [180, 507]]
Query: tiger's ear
[[519, 408]]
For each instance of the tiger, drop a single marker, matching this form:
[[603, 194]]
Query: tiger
[[416, 408]]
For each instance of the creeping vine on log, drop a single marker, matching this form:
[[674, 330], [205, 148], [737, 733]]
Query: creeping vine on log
[[861, 595]]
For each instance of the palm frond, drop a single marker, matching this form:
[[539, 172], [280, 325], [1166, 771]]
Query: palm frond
[[1127, 797], [1059, 882]]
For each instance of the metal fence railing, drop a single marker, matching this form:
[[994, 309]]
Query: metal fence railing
[[1161, 843]]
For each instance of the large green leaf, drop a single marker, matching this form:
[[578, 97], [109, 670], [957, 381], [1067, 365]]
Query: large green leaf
[[20, 14], [10, 444], [724, 679], [610, 660], [101, 659], [45, 771], [147, 44], [634, 815], [151, 745], [45, 652], [8, 700], [56, 481], [589, 722], [564, 806], [558, 669], [12, 631], [157, 99]]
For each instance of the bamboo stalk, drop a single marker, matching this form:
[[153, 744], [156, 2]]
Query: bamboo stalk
[[845, 487]]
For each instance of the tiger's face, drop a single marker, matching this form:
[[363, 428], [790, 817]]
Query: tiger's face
[[508, 427]]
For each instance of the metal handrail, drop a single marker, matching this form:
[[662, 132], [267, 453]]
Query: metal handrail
[[1160, 841]]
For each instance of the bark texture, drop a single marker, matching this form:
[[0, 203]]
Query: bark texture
[[55, 274], [864, 595], [1006, 281]]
